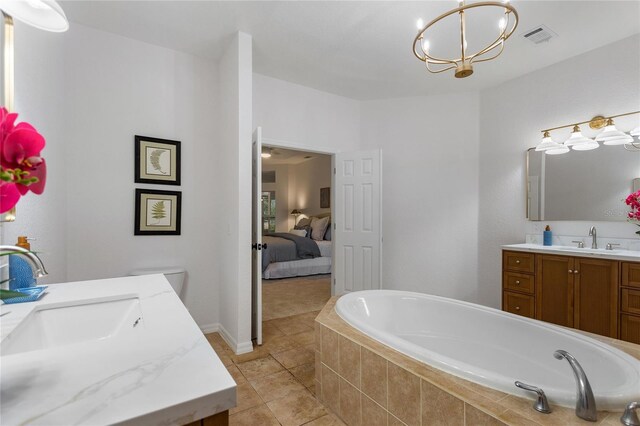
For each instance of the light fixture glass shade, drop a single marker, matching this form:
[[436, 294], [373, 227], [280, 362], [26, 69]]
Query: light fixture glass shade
[[610, 132], [618, 140], [295, 212], [45, 15], [547, 143], [635, 132], [580, 143], [561, 149]]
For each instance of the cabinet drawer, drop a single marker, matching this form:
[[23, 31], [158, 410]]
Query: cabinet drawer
[[630, 328], [517, 303], [514, 281], [518, 261], [631, 274], [630, 301]]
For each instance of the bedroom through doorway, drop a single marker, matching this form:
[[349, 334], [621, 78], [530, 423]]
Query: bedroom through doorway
[[296, 233]]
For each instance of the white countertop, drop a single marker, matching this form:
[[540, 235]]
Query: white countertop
[[164, 372], [630, 255]]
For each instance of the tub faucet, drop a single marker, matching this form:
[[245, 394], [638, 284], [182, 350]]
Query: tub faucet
[[592, 233], [630, 417], [36, 264], [585, 402]]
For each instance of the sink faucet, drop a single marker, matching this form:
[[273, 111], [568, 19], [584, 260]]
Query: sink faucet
[[592, 233], [585, 401], [36, 264]]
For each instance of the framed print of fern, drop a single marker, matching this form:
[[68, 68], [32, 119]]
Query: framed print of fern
[[157, 161], [157, 212]]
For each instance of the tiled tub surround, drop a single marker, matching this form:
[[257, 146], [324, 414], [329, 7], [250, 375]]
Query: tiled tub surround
[[365, 382]]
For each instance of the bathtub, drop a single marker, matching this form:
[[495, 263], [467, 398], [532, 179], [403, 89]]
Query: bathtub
[[491, 347]]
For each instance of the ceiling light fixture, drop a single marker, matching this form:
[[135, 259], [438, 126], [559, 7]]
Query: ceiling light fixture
[[578, 142], [463, 64], [42, 14]]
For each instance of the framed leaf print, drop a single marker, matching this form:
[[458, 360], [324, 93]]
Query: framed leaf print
[[157, 212], [157, 161]]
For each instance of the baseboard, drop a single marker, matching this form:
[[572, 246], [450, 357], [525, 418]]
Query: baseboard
[[210, 328], [238, 349]]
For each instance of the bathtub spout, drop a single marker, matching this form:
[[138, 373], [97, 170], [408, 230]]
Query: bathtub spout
[[585, 402]]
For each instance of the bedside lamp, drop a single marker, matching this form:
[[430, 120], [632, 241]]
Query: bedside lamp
[[296, 213]]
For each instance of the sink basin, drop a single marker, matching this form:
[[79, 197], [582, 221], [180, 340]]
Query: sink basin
[[585, 250], [58, 324]]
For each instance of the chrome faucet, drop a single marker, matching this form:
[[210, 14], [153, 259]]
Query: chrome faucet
[[36, 264], [585, 401], [630, 417], [592, 233]]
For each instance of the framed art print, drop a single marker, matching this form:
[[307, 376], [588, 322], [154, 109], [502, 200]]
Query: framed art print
[[157, 161], [325, 198], [157, 212]]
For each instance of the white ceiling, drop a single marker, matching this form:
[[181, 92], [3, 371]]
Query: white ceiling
[[360, 49], [288, 156]]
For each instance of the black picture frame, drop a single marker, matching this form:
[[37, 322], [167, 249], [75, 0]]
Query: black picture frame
[[143, 198], [160, 154]]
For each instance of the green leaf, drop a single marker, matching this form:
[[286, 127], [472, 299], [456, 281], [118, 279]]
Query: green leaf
[[154, 158], [157, 210], [10, 294]]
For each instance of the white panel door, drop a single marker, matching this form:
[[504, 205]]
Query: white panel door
[[256, 229], [358, 221]]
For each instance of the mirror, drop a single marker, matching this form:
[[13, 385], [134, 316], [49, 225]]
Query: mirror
[[581, 185]]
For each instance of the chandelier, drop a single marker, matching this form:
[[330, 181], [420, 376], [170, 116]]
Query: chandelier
[[463, 64]]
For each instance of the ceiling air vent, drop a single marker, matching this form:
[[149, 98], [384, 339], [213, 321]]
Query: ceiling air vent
[[540, 34]]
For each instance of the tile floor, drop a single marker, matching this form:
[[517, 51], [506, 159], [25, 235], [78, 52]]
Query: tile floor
[[276, 380], [293, 296]]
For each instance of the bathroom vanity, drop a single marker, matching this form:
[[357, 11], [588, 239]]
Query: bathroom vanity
[[597, 291], [121, 350]]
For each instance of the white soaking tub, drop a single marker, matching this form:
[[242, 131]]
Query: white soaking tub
[[491, 347]]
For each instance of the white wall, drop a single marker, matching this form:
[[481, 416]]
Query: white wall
[[603, 81], [306, 179], [310, 119], [234, 208], [89, 92], [430, 191]]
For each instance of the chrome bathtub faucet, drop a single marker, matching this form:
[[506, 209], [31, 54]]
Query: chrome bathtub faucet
[[541, 404], [630, 417], [585, 401]]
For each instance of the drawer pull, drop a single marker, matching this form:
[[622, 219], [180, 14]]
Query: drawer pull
[[517, 261], [517, 282], [571, 271], [575, 272], [517, 308]]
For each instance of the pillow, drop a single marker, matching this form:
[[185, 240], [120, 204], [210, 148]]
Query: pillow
[[298, 232], [327, 235], [319, 227], [305, 221]]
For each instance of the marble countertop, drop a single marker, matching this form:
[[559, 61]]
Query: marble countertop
[[630, 255], [163, 373]]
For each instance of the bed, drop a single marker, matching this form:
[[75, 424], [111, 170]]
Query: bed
[[290, 255]]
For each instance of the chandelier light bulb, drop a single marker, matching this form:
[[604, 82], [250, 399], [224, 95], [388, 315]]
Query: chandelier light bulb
[[425, 45], [420, 23], [502, 24]]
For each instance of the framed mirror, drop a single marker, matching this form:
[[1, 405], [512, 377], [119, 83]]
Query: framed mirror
[[581, 185]]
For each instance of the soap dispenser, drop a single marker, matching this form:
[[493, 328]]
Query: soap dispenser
[[20, 272], [547, 236]]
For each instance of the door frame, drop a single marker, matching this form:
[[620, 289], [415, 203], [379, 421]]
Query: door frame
[[280, 143]]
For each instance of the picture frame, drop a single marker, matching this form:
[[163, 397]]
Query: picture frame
[[157, 212], [157, 161], [325, 198]]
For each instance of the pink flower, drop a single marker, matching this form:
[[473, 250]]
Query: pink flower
[[20, 146], [9, 196]]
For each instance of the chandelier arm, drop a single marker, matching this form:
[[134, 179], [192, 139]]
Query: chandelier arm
[[432, 59], [500, 40], [490, 58], [439, 71]]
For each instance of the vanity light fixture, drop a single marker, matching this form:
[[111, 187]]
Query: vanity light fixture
[[463, 64], [610, 136]]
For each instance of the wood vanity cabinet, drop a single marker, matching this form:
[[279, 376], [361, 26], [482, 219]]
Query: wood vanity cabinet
[[582, 293], [630, 302]]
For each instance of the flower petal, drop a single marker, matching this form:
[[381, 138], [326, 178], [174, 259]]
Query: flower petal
[[20, 144], [9, 196], [39, 171]]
